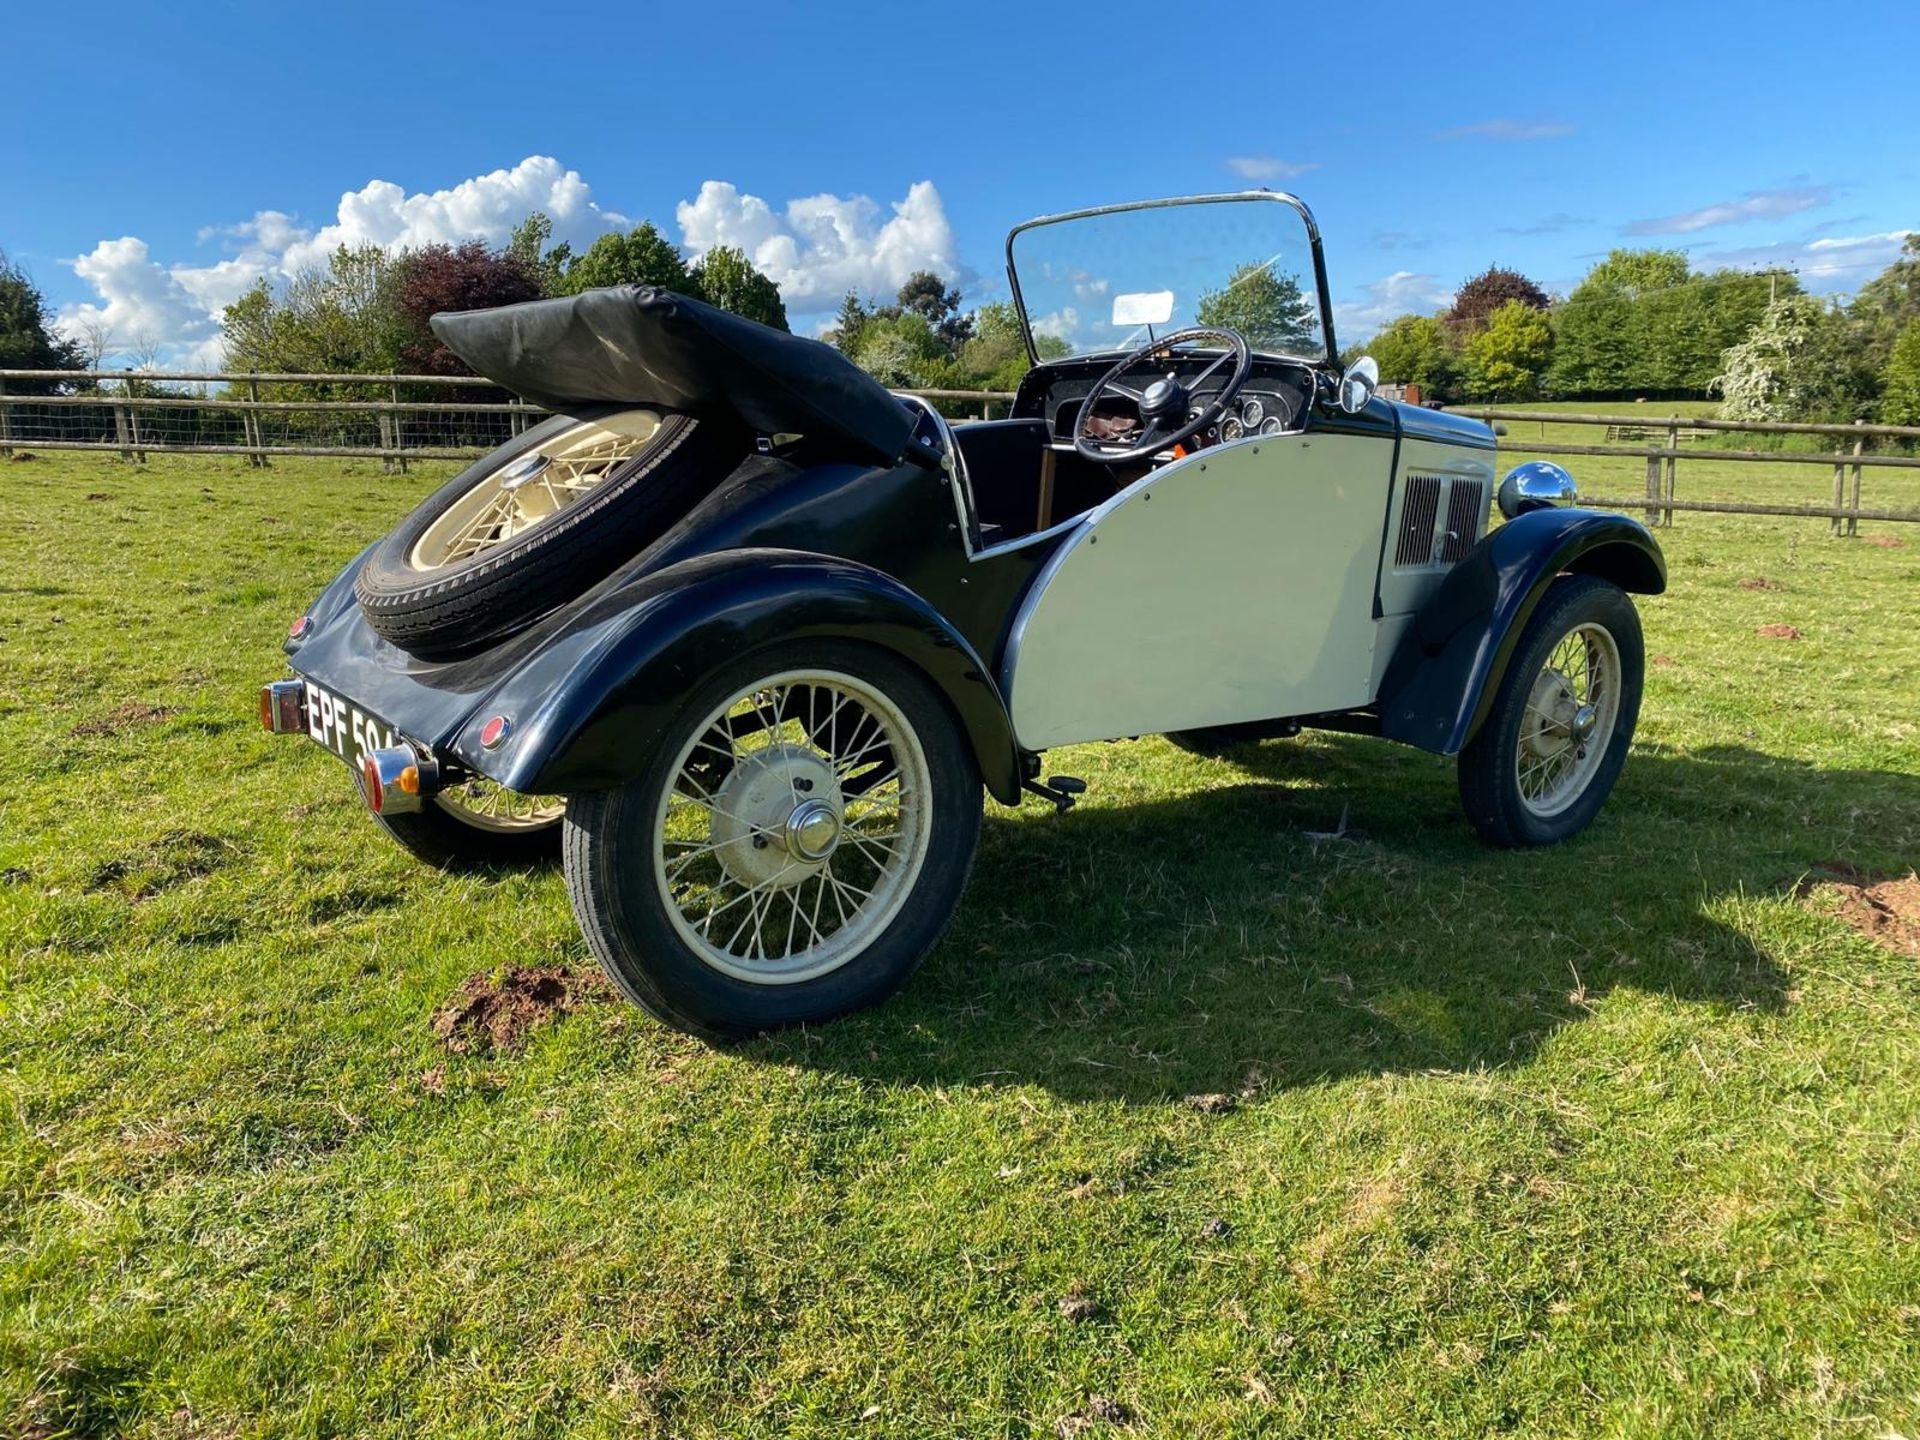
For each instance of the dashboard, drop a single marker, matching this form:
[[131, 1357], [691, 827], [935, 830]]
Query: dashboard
[[1274, 400]]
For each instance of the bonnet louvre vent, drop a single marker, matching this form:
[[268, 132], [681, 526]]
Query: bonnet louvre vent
[[1464, 499], [1417, 517]]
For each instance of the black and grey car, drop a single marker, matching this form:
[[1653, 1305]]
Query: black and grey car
[[744, 635]]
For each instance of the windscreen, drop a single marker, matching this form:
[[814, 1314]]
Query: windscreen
[[1114, 280]]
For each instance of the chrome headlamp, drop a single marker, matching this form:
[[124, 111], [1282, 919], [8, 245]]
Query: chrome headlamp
[[1536, 485]]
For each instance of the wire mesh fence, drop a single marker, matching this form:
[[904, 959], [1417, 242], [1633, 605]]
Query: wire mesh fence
[[1810, 471], [391, 417]]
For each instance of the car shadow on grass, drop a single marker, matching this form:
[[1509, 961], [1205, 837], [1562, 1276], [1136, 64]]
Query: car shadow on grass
[[1237, 935]]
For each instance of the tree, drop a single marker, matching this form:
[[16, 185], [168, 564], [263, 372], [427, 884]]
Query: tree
[[338, 319], [1642, 320], [1480, 295], [529, 246], [27, 339], [995, 356], [1508, 354], [438, 278], [726, 278], [1798, 363], [848, 325], [1889, 304], [640, 256], [898, 348], [1900, 392], [1640, 272], [927, 295], [1266, 307], [1416, 350]]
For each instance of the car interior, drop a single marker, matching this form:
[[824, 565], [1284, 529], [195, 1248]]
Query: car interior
[[1026, 475]]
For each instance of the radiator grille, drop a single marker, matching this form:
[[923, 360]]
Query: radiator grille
[[1417, 516], [1464, 499]]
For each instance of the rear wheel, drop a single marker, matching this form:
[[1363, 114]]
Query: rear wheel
[[793, 850], [480, 825], [1555, 740]]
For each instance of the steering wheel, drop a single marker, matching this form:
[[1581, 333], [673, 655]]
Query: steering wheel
[[1165, 401]]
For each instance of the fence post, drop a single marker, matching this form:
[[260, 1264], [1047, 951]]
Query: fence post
[[256, 435], [399, 420], [1653, 485], [385, 423], [1835, 525], [6, 422], [1673, 464], [1853, 520], [121, 429]]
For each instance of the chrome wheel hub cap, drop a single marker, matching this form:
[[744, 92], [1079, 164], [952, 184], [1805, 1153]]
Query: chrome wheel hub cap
[[523, 471], [1571, 711], [777, 817], [1552, 713], [812, 831], [795, 827]]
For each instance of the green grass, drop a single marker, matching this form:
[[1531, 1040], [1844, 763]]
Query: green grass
[[1616, 1139]]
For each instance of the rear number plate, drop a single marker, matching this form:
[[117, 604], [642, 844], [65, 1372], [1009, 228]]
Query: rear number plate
[[343, 727]]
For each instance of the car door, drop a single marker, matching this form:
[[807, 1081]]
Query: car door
[[1234, 585]]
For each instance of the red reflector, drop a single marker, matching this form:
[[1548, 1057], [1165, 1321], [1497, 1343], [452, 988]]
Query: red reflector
[[298, 630], [494, 731], [370, 783], [266, 707]]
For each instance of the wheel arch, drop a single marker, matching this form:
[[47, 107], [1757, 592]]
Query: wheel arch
[[1442, 677], [586, 712]]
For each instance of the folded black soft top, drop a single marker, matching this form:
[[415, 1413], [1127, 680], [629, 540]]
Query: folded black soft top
[[639, 344]]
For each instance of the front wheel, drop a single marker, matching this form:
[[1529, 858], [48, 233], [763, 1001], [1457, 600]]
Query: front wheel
[[1556, 737], [795, 847]]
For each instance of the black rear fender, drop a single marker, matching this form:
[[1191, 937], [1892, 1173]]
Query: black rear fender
[[588, 710], [1443, 675]]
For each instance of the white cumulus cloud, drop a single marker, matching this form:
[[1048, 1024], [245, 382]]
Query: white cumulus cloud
[[815, 248], [486, 207], [1405, 292], [140, 303], [818, 248]]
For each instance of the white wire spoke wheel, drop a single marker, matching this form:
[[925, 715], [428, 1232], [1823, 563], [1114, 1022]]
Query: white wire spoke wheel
[[485, 805], [1570, 714], [794, 828], [533, 487], [1561, 719], [789, 851]]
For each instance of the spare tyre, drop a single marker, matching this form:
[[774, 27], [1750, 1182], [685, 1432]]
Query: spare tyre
[[537, 522]]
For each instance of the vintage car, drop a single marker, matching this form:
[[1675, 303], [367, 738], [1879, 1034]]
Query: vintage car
[[744, 635]]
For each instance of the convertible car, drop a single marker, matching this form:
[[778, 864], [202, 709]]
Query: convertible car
[[744, 635]]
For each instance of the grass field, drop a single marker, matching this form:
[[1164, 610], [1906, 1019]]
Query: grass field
[[1195, 1125]]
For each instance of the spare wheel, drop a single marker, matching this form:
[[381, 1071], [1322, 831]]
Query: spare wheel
[[537, 522]]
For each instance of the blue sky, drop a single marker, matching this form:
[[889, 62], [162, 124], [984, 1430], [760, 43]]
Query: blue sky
[[177, 151]]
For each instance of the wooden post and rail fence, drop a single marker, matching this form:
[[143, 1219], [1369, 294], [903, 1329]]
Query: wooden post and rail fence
[[397, 418]]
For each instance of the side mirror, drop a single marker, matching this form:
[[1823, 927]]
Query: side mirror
[[1358, 384], [1536, 485]]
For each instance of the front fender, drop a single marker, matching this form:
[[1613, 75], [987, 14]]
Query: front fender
[[589, 709], [1441, 680]]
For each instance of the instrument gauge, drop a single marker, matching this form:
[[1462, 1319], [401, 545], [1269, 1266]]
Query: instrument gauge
[[1231, 428], [1252, 413], [1271, 425]]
